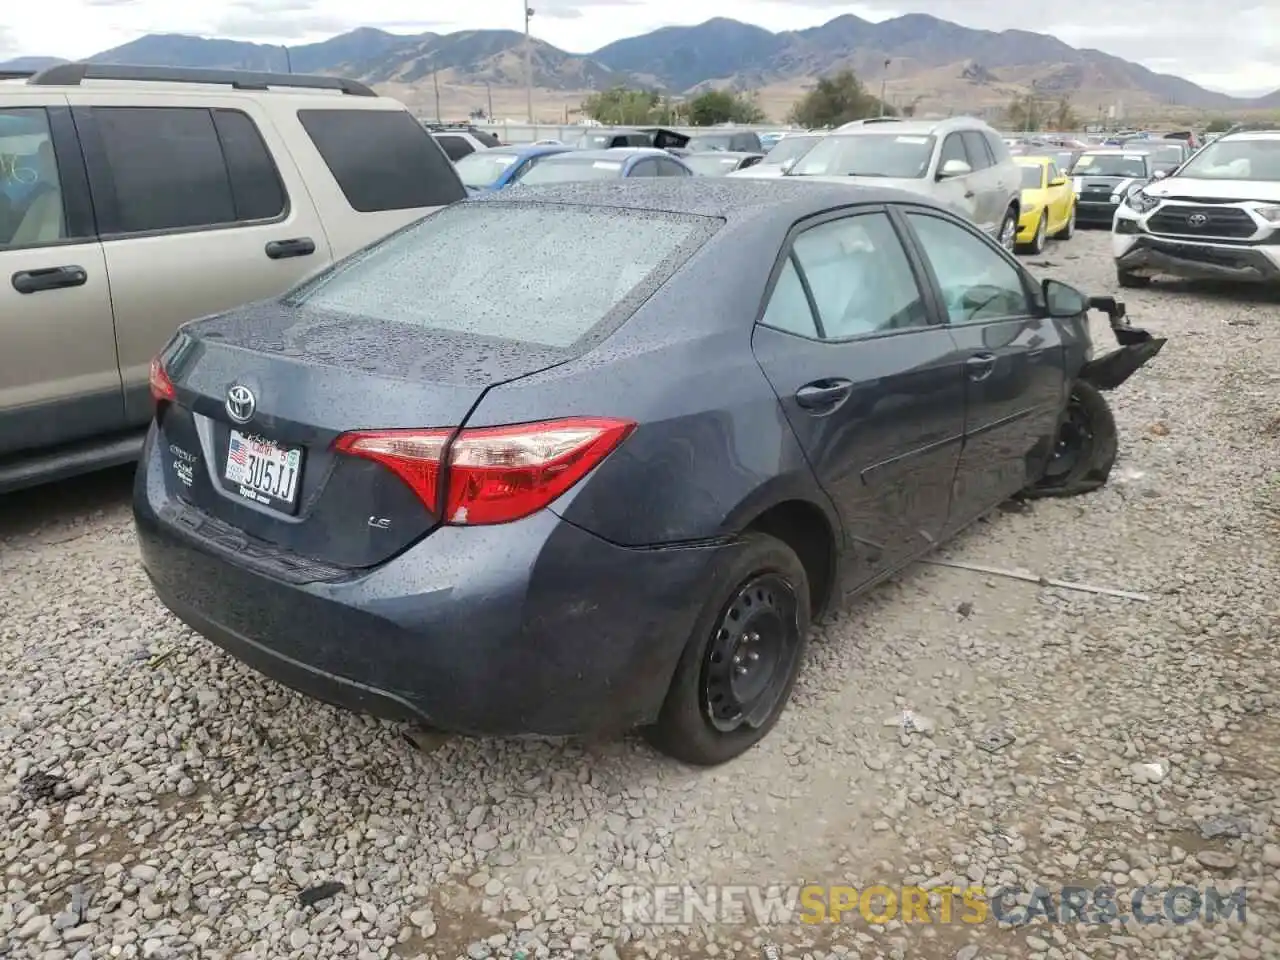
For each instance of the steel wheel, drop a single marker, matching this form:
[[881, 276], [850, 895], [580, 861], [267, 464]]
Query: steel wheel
[[750, 660]]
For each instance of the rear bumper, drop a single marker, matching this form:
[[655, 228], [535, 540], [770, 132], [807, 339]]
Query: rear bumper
[[535, 627], [1146, 255]]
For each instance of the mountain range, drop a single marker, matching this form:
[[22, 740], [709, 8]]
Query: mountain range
[[929, 58]]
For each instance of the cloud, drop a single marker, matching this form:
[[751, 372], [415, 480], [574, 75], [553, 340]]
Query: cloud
[[1235, 51]]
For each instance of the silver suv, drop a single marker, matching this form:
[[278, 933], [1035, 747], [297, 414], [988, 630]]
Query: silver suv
[[134, 199], [960, 162]]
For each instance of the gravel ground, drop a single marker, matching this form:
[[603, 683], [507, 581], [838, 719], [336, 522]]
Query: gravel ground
[[160, 800]]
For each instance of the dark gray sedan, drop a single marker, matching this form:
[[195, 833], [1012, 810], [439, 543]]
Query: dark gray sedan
[[461, 480]]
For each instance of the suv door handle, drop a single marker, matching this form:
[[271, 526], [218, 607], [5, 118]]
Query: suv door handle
[[297, 247], [49, 278], [823, 396], [970, 195], [980, 365]]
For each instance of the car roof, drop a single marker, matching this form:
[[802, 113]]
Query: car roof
[[1028, 160], [736, 154], [726, 199], [529, 149], [616, 153], [1114, 152], [920, 128]]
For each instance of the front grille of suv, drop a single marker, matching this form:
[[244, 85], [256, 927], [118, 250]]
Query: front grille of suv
[[1229, 222]]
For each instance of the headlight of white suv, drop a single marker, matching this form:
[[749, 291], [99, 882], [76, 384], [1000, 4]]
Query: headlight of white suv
[[1140, 201], [1271, 213]]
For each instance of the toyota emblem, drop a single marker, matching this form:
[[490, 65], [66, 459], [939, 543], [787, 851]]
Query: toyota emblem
[[1197, 220], [241, 403]]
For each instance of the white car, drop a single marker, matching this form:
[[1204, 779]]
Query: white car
[[1216, 217], [782, 157]]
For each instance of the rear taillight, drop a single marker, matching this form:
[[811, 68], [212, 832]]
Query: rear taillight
[[495, 474], [161, 386]]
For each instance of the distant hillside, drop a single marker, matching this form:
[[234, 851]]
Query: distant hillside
[[31, 63], [928, 58]]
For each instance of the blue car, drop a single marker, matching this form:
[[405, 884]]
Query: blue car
[[499, 167], [584, 457], [613, 164]]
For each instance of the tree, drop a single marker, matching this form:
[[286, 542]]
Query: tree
[[624, 107], [1064, 118], [1025, 114], [1219, 125], [836, 100], [722, 106]]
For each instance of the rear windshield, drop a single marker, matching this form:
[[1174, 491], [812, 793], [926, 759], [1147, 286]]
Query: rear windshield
[[711, 142], [570, 169], [482, 168], [538, 273]]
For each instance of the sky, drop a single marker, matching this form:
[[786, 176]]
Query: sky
[[1236, 52]]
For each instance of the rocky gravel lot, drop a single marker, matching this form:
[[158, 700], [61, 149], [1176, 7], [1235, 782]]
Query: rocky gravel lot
[[160, 800]]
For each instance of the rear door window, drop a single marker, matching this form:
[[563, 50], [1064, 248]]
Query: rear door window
[[455, 147], [511, 271], [979, 153], [180, 168], [382, 159]]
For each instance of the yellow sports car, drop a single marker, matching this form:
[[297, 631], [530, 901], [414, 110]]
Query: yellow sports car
[[1048, 204]]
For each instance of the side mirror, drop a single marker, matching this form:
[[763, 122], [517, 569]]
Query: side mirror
[[1058, 182], [954, 168], [1161, 174], [788, 164], [1063, 301]]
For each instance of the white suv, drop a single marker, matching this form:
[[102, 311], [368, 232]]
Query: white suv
[[1215, 217], [960, 162]]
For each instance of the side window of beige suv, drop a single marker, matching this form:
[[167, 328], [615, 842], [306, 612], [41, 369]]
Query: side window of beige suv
[[31, 208]]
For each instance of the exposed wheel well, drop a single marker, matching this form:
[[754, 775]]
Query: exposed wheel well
[[804, 528]]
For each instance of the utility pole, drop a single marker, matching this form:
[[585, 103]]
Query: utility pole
[[488, 89], [884, 82], [528, 60], [435, 82]]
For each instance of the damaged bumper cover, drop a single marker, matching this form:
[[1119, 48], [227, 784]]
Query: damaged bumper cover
[[1150, 256], [1137, 347]]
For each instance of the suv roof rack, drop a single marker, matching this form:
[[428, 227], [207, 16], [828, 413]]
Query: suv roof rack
[[72, 74]]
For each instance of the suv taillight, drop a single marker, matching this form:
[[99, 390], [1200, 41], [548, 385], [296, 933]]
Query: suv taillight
[[495, 474]]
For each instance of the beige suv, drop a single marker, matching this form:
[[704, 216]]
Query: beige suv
[[134, 199]]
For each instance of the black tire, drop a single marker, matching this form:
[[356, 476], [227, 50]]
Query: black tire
[[773, 581], [1008, 237], [1131, 281], [1085, 448]]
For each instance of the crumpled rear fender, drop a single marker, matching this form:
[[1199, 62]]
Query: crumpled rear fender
[[1137, 347]]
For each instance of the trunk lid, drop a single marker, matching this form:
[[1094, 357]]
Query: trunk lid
[[263, 392]]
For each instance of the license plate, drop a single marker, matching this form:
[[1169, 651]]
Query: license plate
[[263, 471]]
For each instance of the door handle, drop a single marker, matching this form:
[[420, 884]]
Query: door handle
[[49, 278], [980, 365], [297, 247], [823, 396], [970, 195]]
